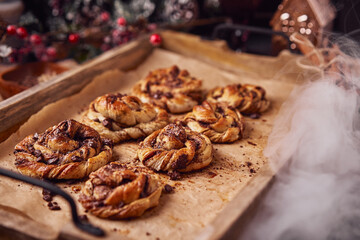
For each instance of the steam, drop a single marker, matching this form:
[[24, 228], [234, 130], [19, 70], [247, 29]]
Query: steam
[[316, 139]]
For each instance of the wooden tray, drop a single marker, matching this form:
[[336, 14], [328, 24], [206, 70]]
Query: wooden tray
[[15, 110]]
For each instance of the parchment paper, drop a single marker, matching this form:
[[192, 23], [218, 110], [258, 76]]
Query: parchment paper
[[198, 197]]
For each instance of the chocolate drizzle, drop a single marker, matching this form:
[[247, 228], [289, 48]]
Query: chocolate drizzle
[[69, 141], [76, 158], [174, 175], [144, 193], [181, 162], [175, 130], [169, 88], [107, 122], [115, 186]]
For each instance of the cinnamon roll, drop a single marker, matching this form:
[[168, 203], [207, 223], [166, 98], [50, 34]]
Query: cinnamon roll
[[246, 98], [120, 117], [170, 88], [69, 150], [118, 191], [217, 121], [175, 148]]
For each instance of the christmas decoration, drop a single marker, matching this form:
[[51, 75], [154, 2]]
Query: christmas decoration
[[105, 16], [121, 21], [132, 10], [21, 32], [179, 11], [311, 18], [11, 29], [5, 51], [155, 39], [35, 39], [79, 29], [73, 38], [51, 30]]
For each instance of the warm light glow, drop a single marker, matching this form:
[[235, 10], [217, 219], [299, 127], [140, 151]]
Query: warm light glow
[[308, 31], [302, 30], [293, 46], [284, 16], [302, 18]]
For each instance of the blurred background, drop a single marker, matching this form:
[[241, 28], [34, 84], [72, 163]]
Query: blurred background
[[50, 30]]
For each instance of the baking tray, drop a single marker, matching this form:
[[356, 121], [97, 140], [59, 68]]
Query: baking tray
[[15, 110]]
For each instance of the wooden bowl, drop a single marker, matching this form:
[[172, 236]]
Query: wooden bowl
[[24, 76]]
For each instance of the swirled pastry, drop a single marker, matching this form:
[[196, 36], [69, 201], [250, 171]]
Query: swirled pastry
[[69, 150], [175, 148], [117, 191], [246, 98], [216, 121], [120, 117], [170, 88]]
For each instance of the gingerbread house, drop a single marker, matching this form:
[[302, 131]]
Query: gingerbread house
[[312, 18]]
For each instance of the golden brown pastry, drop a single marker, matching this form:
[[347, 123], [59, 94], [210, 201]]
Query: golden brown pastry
[[121, 117], [246, 98], [69, 150], [170, 88], [217, 121], [118, 191], [175, 148]]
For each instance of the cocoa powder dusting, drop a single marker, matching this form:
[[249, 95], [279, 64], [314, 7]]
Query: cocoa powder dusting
[[254, 144], [181, 162], [174, 175], [47, 195], [168, 188], [54, 206], [212, 174]]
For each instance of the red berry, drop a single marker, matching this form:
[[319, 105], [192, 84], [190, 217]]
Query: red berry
[[21, 32], [104, 47], [105, 16], [73, 38], [11, 29], [121, 21], [116, 33], [155, 39], [35, 39], [11, 59], [51, 52], [107, 39]]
